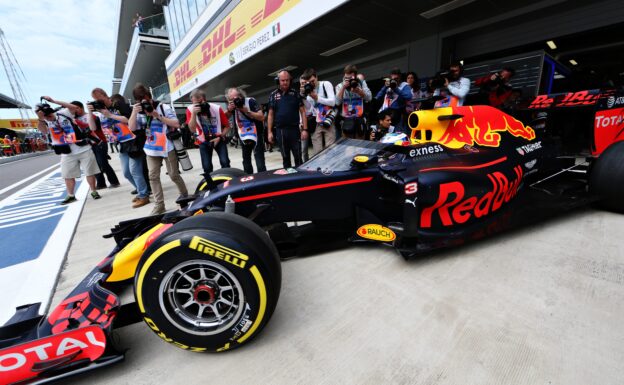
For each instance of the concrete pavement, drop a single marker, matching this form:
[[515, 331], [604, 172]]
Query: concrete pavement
[[542, 305]]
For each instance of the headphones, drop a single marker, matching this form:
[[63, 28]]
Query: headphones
[[277, 75]]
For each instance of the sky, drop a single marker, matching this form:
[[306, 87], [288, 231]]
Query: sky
[[64, 47]]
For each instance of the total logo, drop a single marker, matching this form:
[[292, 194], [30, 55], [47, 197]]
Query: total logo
[[376, 233], [613, 101], [452, 209], [528, 148], [608, 121], [17, 362], [426, 150]]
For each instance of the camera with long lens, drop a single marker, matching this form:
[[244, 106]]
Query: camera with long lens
[[307, 89], [97, 105], [440, 79], [239, 102], [329, 119], [45, 108], [147, 107]]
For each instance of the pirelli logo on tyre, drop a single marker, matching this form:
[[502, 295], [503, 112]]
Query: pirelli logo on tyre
[[376, 232], [215, 250]]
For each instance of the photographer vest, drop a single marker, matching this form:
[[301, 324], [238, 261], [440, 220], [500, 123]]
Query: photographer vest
[[353, 106], [156, 143], [120, 131], [246, 126], [322, 110], [61, 131], [208, 126]]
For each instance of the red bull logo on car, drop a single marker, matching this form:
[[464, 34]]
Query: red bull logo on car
[[455, 127]]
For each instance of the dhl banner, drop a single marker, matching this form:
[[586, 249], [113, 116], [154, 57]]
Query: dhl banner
[[253, 25], [17, 124]]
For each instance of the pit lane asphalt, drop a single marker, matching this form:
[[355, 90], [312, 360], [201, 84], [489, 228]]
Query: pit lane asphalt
[[14, 171], [541, 305]]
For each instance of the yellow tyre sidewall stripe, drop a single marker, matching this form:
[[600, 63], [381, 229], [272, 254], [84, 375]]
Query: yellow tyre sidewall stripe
[[263, 301], [139, 286]]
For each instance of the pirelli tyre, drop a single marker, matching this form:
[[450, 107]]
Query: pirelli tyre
[[209, 283], [606, 179], [220, 176]]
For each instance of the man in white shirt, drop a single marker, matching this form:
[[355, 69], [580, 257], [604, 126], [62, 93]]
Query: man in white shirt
[[71, 144], [455, 87], [321, 95], [158, 119]]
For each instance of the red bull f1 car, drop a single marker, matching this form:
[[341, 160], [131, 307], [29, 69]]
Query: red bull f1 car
[[207, 277]]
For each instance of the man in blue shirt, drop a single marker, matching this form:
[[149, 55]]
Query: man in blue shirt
[[286, 111], [394, 94]]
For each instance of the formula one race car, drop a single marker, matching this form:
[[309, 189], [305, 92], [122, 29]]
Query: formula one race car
[[207, 277]]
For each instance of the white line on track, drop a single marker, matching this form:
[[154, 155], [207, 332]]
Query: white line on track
[[21, 182]]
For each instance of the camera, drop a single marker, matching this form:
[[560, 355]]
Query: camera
[[97, 105], [353, 83], [147, 107], [239, 102], [393, 84], [329, 119], [204, 108], [307, 89], [439, 79], [45, 108]]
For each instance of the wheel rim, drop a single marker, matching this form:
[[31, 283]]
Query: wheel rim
[[201, 297]]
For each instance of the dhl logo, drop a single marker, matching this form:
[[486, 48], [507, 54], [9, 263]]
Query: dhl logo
[[243, 21], [455, 127], [205, 246]]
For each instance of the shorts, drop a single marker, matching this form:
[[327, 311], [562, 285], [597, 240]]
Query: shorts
[[72, 163]]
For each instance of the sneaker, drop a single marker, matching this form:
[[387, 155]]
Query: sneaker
[[182, 196], [69, 199], [140, 202], [134, 192], [114, 185], [158, 210], [95, 195]]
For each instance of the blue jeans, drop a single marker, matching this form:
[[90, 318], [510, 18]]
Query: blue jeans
[[205, 151], [133, 171]]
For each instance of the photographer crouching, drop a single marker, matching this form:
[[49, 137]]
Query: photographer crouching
[[71, 143], [159, 120], [451, 85], [210, 125], [248, 118]]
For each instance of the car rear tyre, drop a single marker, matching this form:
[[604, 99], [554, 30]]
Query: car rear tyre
[[220, 176], [209, 283], [606, 179]]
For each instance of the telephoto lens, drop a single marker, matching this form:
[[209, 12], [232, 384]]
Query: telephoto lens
[[183, 157]]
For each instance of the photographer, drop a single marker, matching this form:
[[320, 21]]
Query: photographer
[[321, 95], [158, 120], [210, 125], [99, 146], [69, 141], [384, 126], [286, 111], [394, 94], [451, 85], [248, 118], [495, 88], [114, 117], [351, 95], [311, 120]]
